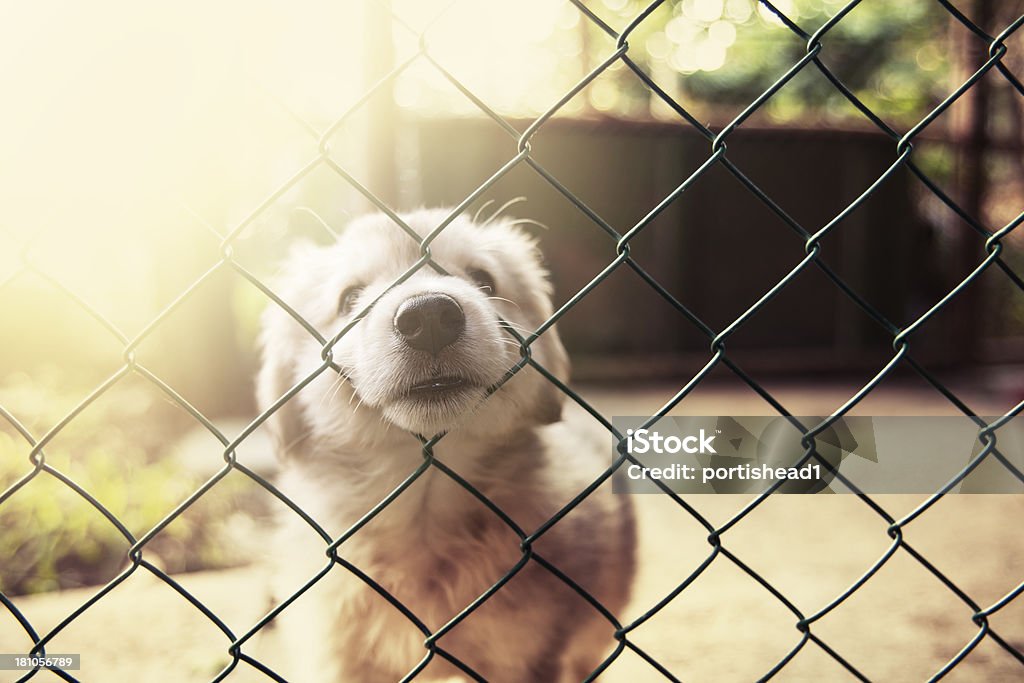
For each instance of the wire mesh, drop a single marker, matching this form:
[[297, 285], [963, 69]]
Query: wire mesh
[[807, 249]]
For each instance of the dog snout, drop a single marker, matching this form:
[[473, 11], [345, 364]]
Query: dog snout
[[430, 322]]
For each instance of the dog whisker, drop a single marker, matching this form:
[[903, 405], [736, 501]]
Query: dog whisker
[[334, 390], [501, 298], [521, 329], [511, 343], [527, 221], [297, 440], [511, 202], [483, 207]]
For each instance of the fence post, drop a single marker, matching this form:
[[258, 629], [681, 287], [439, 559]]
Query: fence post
[[973, 183], [378, 61]]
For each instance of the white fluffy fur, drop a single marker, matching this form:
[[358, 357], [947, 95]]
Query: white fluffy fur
[[346, 443]]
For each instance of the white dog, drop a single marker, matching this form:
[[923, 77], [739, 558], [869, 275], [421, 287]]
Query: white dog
[[421, 362]]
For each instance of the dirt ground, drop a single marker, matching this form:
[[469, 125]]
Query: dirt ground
[[902, 625]]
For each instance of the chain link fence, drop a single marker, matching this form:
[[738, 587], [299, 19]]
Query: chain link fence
[[808, 252]]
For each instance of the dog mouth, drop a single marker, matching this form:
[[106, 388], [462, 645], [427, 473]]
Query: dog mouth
[[441, 386]]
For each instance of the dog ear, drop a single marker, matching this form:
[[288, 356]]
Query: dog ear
[[547, 408], [279, 340], [548, 351], [275, 378]]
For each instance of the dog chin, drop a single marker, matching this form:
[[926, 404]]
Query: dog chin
[[430, 414]]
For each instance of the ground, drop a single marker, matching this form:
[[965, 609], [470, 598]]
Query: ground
[[903, 625]]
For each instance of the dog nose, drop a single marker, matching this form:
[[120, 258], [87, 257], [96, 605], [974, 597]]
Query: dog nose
[[430, 322]]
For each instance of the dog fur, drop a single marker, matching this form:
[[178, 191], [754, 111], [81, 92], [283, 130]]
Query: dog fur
[[346, 441]]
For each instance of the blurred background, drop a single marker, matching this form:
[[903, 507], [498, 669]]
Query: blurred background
[[156, 159]]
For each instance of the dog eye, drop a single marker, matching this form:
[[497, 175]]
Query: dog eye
[[483, 280], [348, 299]]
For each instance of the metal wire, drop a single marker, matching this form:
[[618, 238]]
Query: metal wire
[[808, 251]]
